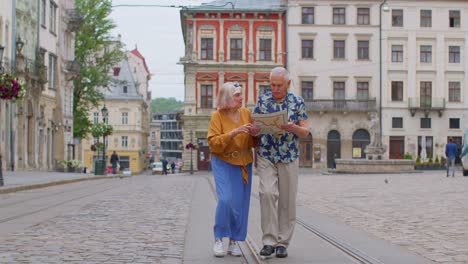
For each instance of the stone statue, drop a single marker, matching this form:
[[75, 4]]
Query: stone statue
[[464, 153], [375, 149]]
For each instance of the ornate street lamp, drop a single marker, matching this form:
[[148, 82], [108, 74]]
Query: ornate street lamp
[[1, 72], [105, 114], [19, 45]]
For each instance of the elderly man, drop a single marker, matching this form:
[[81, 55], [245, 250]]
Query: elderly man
[[277, 164]]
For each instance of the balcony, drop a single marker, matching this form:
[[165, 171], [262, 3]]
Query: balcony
[[73, 67], [342, 105], [73, 20], [426, 105]]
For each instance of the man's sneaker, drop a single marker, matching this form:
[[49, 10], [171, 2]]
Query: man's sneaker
[[218, 248], [234, 250]]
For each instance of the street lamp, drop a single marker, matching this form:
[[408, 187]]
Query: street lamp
[[191, 152], [383, 6], [1, 72], [105, 114]]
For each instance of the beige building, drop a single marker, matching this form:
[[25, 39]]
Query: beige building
[[417, 101], [127, 102], [42, 44], [424, 76]]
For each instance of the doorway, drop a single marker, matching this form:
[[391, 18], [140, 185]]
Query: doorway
[[333, 148], [305, 152]]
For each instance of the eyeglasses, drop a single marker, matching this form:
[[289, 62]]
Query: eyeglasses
[[237, 85]]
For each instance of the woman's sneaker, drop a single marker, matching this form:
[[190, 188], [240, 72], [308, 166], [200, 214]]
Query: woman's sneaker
[[218, 248], [234, 250]]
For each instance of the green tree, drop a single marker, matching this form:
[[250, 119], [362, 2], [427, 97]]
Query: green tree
[[165, 104], [96, 52]]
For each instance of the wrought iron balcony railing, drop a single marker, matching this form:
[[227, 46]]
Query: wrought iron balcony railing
[[426, 104], [342, 105]]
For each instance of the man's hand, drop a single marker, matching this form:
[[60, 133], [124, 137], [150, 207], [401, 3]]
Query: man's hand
[[300, 130]]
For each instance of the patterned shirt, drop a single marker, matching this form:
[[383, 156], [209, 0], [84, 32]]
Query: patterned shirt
[[284, 147]]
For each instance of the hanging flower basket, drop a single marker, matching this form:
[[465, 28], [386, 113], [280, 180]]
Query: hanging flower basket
[[101, 129], [190, 146], [11, 88]]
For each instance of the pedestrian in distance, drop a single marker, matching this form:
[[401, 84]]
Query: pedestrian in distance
[[231, 143], [172, 167], [451, 152], [277, 164], [164, 167], [114, 161]]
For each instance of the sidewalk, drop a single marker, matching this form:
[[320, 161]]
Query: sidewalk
[[25, 180]]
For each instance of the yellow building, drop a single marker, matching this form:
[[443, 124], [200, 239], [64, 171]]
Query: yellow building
[[127, 102]]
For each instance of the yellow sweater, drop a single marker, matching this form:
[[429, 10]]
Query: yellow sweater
[[237, 150]]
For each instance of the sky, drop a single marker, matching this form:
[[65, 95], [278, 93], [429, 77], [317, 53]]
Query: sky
[[157, 33]]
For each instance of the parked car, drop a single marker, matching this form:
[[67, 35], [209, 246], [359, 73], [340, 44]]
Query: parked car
[[156, 168], [127, 171]]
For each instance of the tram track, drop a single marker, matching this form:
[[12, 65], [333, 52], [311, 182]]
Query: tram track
[[250, 249], [76, 193]]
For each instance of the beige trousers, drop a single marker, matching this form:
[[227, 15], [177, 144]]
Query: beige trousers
[[278, 192]]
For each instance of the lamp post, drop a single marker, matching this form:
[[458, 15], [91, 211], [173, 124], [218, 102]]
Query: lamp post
[[191, 152], [1, 72], [105, 114], [383, 6]]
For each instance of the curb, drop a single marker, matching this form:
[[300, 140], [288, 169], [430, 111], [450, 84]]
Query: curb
[[54, 183]]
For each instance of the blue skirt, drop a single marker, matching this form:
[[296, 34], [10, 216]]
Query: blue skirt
[[232, 211]]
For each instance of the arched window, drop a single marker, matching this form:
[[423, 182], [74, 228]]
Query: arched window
[[361, 139]]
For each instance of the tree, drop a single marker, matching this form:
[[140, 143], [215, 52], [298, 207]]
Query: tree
[[96, 52], [165, 104]]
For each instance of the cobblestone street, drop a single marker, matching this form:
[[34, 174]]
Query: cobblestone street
[[141, 222], [426, 213]]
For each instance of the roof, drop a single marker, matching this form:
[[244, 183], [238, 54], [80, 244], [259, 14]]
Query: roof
[[138, 54], [238, 5]]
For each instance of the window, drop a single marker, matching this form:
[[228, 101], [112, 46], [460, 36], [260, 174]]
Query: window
[[264, 89], [363, 50], [397, 53], [236, 49], [362, 90], [43, 13], [397, 122], [52, 70], [206, 96], [53, 17], [339, 15], [397, 17], [454, 54], [96, 117], [265, 49], [307, 49], [425, 54], [153, 136], [397, 91], [206, 49], [425, 94], [454, 92], [426, 18], [454, 123], [339, 49], [124, 141], [308, 15], [425, 122], [454, 18], [363, 16], [338, 90], [125, 89], [307, 90], [124, 118]]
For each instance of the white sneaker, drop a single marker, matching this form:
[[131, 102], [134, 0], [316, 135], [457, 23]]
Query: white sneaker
[[234, 250], [218, 248]]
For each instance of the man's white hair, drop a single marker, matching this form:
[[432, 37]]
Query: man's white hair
[[280, 71]]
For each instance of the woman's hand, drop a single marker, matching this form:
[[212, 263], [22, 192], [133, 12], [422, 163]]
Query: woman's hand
[[242, 129]]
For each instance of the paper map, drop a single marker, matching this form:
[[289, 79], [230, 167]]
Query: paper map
[[270, 123]]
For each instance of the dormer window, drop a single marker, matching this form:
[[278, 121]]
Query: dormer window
[[125, 89]]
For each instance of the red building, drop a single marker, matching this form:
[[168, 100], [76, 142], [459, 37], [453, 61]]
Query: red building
[[226, 42]]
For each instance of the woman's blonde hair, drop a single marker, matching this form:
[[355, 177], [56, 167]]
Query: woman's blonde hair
[[225, 95]]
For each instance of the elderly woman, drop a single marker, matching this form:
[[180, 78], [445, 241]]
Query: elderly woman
[[230, 140]]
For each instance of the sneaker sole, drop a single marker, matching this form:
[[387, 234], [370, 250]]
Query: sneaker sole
[[219, 255], [230, 253]]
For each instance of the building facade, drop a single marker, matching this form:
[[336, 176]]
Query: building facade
[[226, 42], [39, 40], [425, 76], [127, 101], [170, 145]]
